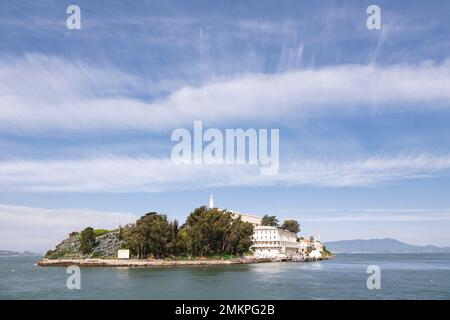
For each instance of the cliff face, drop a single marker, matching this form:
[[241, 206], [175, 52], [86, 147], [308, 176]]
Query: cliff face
[[105, 246]]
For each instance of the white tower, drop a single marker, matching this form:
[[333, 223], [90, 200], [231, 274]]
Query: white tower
[[211, 201]]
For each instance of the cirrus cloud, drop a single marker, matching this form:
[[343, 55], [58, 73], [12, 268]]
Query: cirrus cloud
[[127, 174], [42, 93]]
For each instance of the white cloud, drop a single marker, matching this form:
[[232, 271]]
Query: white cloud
[[37, 92], [125, 174], [36, 229], [386, 216]]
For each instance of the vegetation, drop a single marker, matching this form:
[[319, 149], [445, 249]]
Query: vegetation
[[207, 232], [270, 221], [151, 234], [214, 232], [100, 232], [291, 225], [326, 252], [96, 255], [56, 254], [87, 240]]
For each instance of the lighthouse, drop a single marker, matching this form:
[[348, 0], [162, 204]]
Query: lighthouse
[[211, 201]]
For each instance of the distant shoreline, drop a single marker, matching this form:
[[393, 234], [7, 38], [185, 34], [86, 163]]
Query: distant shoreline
[[386, 252]]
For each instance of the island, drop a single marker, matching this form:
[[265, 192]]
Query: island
[[209, 236]]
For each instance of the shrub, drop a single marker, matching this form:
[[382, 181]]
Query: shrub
[[57, 254], [87, 240], [96, 255], [100, 232], [326, 252]]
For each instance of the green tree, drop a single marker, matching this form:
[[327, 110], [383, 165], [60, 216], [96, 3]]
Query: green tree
[[291, 225], [215, 232], [151, 234], [271, 221], [177, 239], [159, 236], [199, 227], [134, 238], [206, 232], [240, 237], [87, 240]]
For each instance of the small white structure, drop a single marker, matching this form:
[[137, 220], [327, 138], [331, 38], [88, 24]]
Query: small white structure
[[302, 246], [316, 254], [318, 245], [123, 254], [211, 201]]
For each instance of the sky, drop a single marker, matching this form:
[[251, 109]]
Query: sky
[[86, 116]]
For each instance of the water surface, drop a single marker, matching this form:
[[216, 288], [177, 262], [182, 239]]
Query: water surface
[[403, 276]]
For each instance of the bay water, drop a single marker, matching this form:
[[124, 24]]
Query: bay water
[[403, 276]]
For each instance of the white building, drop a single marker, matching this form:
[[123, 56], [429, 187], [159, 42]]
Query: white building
[[254, 220], [273, 242], [302, 246], [315, 244]]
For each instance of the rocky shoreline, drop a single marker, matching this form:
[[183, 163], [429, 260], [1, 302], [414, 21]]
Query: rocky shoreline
[[158, 262], [143, 263]]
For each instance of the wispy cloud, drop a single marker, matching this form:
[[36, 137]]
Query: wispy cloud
[[37, 229], [46, 93], [126, 174], [380, 215]]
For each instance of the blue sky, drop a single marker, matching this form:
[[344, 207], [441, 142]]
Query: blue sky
[[86, 115]]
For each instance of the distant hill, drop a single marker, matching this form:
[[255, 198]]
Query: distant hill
[[386, 245], [8, 253]]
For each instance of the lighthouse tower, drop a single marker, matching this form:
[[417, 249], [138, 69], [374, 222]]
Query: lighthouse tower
[[211, 201]]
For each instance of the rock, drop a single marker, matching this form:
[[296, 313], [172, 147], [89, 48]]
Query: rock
[[105, 246]]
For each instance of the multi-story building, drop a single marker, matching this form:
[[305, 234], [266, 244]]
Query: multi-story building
[[272, 242], [254, 220]]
